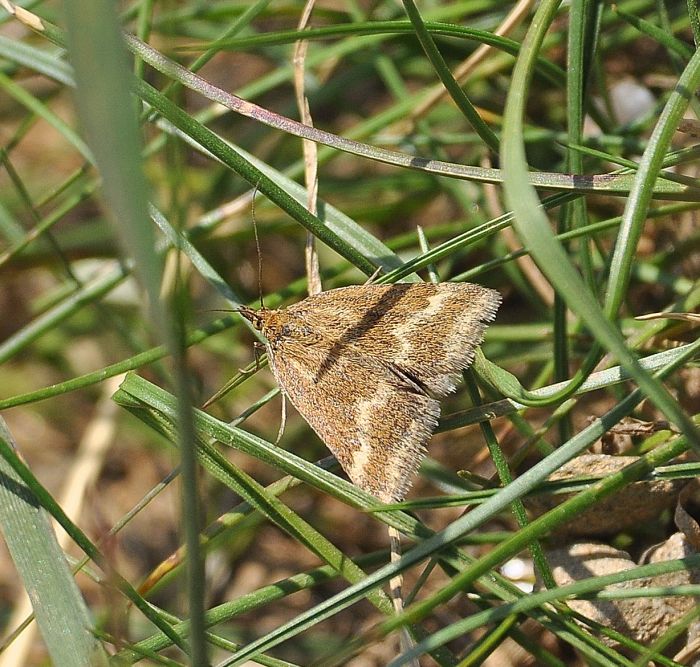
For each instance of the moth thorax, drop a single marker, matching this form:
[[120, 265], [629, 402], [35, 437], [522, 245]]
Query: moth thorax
[[282, 326]]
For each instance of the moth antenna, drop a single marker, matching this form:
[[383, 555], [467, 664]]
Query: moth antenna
[[406, 642], [257, 245]]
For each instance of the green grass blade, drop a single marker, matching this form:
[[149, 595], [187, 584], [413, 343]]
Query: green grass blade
[[59, 608], [640, 195], [533, 228], [44, 498], [107, 112]]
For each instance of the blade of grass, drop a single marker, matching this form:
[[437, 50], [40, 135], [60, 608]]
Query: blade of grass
[[59, 608], [107, 113], [533, 228], [46, 501], [445, 75], [641, 194], [614, 184], [579, 589]]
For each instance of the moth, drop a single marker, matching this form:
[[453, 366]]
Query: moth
[[365, 366]]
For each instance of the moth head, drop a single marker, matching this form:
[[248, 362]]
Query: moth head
[[255, 317]]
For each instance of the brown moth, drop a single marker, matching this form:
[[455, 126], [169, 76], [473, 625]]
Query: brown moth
[[364, 366]]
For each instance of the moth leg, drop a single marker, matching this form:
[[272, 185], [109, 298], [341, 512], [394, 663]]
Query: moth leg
[[372, 278], [257, 356], [283, 421], [257, 351], [406, 642]]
